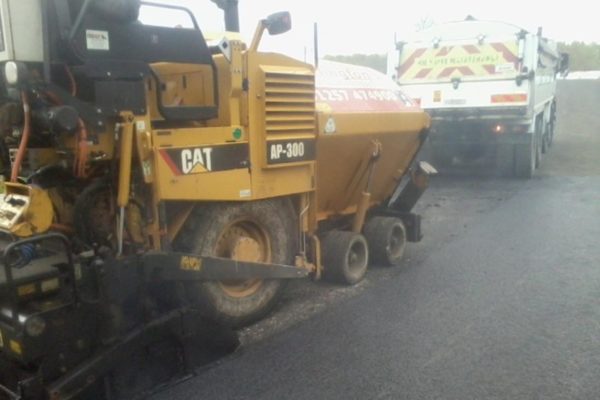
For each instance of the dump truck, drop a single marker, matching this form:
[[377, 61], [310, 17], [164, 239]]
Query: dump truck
[[490, 88], [158, 181]]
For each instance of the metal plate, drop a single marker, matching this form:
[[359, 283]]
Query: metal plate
[[197, 160], [289, 151]]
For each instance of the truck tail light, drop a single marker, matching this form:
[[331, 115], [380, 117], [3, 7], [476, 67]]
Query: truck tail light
[[509, 98]]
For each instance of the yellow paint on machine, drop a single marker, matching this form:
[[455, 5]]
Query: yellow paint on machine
[[16, 347], [190, 263], [343, 157], [26, 290]]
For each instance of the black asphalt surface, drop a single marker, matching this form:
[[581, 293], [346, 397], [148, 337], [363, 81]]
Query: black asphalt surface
[[500, 301]]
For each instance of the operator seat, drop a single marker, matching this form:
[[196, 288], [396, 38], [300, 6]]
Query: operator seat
[[108, 44]]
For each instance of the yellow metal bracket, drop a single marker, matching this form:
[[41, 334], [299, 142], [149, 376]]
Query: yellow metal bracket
[[365, 198], [143, 142], [127, 128], [236, 70]]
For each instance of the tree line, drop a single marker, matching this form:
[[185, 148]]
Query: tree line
[[583, 57]]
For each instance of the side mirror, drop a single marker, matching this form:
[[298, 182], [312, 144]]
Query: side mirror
[[278, 23]]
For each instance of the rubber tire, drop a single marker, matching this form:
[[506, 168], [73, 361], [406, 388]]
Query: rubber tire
[[379, 231], [552, 125], [538, 138], [336, 246], [525, 162], [538, 151], [550, 134], [200, 235], [546, 138]]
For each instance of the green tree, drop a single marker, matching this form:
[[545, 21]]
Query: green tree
[[375, 61], [582, 56]]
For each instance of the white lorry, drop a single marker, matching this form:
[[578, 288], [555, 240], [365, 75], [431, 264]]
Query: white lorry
[[490, 89]]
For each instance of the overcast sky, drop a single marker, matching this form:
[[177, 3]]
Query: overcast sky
[[369, 26]]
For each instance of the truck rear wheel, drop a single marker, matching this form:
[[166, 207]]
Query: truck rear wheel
[[345, 257], [387, 240], [260, 231], [551, 128], [525, 160], [546, 138], [537, 143], [552, 125]]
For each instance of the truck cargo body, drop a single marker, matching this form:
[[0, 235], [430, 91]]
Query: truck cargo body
[[490, 90]]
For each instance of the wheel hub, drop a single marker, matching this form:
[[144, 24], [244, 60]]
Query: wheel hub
[[396, 242], [243, 241], [356, 256], [246, 249]]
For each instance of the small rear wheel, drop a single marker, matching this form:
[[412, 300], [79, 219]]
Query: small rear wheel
[[345, 257], [387, 240]]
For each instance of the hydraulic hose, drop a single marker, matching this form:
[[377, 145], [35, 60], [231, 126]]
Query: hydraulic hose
[[81, 154], [14, 174], [81, 141]]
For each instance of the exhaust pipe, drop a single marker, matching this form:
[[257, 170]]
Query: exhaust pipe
[[232, 18]]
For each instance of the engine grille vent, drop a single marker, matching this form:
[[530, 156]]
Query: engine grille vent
[[289, 102]]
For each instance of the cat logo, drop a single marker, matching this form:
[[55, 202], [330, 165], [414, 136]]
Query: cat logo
[[201, 160], [194, 161]]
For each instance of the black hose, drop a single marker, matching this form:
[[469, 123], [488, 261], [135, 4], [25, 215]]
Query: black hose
[[85, 202]]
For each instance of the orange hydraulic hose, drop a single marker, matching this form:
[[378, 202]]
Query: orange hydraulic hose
[[81, 157], [14, 174], [62, 228], [72, 81]]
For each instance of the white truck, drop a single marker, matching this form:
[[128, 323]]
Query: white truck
[[490, 89]]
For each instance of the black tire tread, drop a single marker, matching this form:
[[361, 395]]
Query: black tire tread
[[377, 231], [335, 245]]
